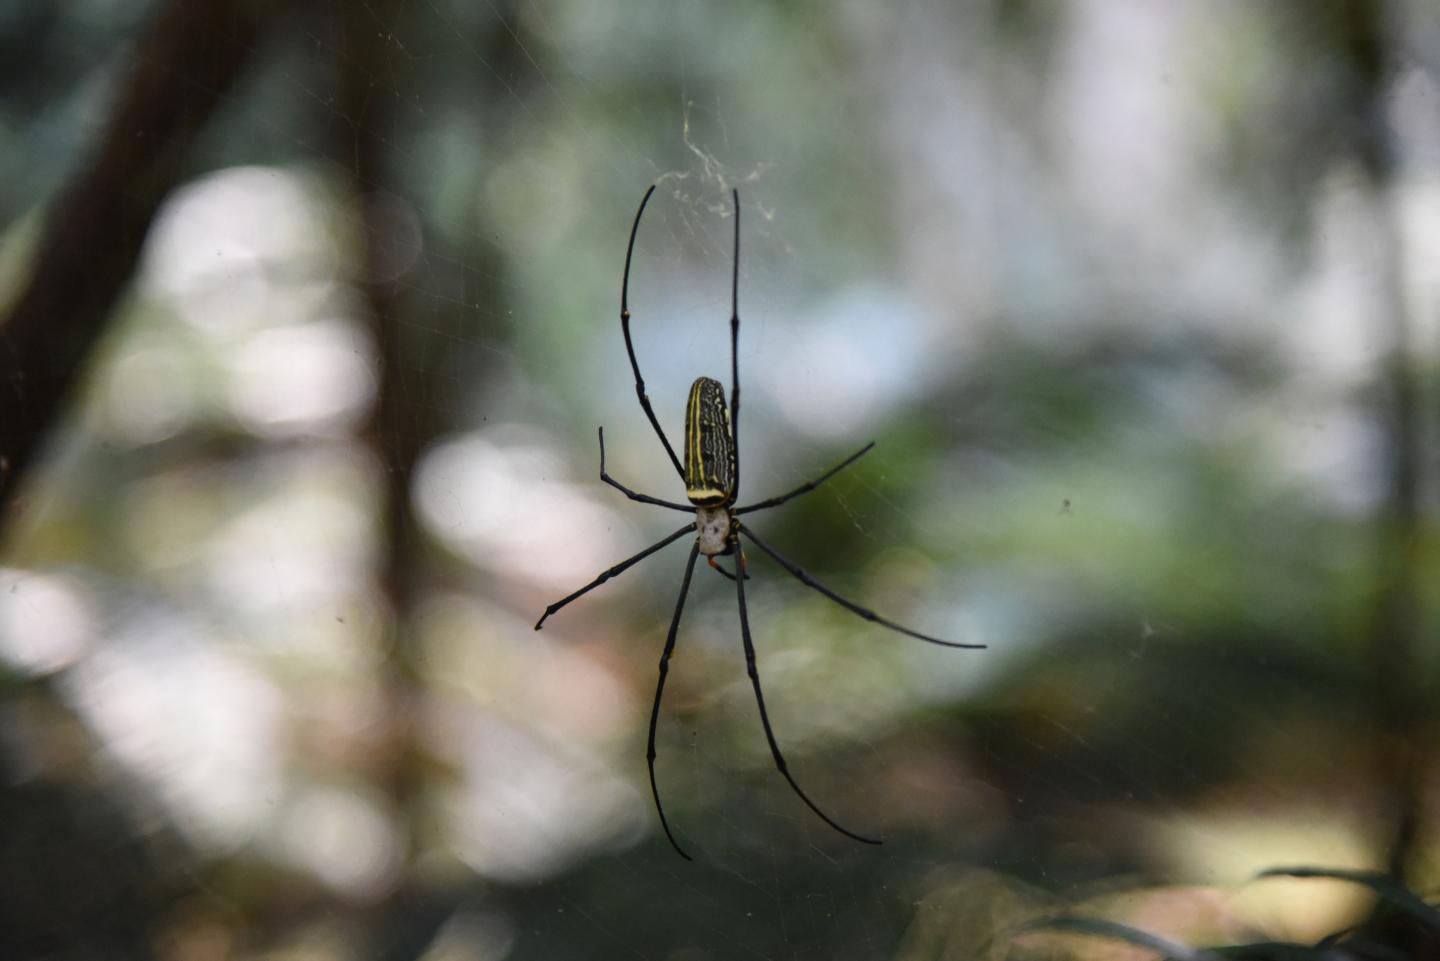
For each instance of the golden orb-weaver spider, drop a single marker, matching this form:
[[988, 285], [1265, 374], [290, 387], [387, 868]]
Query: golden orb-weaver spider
[[711, 475]]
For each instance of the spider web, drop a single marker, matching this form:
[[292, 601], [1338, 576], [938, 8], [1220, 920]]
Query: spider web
[[1101, 450]]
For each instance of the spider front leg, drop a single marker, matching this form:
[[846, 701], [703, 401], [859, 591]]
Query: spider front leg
[[735, 340], [754, 673], [630, 347]]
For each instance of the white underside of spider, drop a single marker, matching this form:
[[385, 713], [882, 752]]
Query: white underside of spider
[[713, 530]]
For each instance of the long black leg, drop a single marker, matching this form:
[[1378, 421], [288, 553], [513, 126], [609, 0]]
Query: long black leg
[[630, 347], [735, 343], [642, 498], [869, 615], [808, 486], [765, 718], [660, 689], [617, 569]]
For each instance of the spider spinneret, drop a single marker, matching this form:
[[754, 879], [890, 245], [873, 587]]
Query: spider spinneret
[[711, 475]]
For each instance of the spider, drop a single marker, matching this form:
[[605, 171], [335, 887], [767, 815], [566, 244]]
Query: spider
[[711, 475]]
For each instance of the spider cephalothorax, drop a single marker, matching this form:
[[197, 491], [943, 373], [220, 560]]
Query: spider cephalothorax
[[715, 531], [711, 475]]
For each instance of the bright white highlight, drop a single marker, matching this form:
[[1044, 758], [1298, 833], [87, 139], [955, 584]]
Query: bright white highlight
[[44, 624]]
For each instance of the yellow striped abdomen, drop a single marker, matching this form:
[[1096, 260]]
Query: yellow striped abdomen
[[709, 446]]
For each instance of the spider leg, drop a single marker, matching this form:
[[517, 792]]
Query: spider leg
[[660, 689], [765, 718], [617, 569], [735, 341], [642, 498], [808, 486], [723, 572], [630, 347], [866, 613]]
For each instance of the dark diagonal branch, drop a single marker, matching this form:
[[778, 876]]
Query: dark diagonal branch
[[181, 69]]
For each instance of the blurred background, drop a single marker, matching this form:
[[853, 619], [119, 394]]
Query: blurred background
[[308, 317]]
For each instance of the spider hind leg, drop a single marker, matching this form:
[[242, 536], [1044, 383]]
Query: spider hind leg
[[780, 765], [659, 692]]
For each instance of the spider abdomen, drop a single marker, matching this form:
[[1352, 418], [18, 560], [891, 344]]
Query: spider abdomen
[[709, 446]]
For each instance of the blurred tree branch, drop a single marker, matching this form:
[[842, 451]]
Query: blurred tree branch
[[1368, 35], [1395, 618], [184, 64], [398, 427], [374, 78]]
